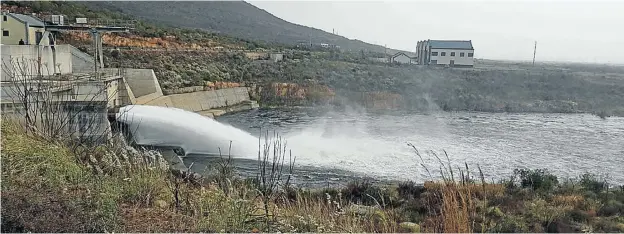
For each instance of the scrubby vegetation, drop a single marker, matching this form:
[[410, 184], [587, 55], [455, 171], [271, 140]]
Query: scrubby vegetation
[[490, 90], [46, 187], [237, 18], [142, 28], [492, 87]]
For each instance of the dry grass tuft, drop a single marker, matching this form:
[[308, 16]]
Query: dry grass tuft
[[454, 205], [309, 214], [568, 200], [137, 219]]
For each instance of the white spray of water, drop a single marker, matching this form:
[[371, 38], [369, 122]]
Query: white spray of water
[[196, 134], [355, 142]]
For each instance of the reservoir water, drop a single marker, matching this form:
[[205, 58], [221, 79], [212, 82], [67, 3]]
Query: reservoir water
[[329, 145]]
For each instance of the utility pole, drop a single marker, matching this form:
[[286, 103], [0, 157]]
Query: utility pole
[[534, 52], [385, 49], [94, 35]]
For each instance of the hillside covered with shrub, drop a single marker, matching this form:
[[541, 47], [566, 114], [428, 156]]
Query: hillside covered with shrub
[[142, 29], [235, 18], [191, 57], [490, 90]]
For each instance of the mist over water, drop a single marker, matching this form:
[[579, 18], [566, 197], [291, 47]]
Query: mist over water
[[375, 145]]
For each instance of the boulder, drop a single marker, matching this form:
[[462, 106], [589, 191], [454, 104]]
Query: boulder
[[374, 214], [361, 210], [410, 227], [495, 212], [161, 204]]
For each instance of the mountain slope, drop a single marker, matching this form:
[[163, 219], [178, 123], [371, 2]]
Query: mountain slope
[[235, 18]]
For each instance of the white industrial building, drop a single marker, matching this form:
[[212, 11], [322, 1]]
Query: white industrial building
[[452, 53]]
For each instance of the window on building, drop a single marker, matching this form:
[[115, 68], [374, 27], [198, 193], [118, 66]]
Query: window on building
[[462, 54], [38, 37], [5, 18], [442, 53], [434, 61], [470, 54], [453, 54], [5, 33], [434, 53]]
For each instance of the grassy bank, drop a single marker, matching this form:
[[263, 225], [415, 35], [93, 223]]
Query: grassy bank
[[46, 187]]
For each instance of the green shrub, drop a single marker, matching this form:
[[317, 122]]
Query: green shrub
[[568, 186], [618, 195], [365, 193], [510, 224], [579, 215], [612, 208], [221, 213], [410, 190], [143, 188], [608, 225], [543, 212], [591, 182], [412, 210], [538, 179]]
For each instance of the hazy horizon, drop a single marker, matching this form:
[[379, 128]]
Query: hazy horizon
[[579, 31]]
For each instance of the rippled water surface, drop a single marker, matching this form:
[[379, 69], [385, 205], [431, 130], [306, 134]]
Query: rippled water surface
[[375, 145]]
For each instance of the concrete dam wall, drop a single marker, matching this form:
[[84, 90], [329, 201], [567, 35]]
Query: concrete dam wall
[[145, 90], [203, 100], [144, 85], [81, 61]]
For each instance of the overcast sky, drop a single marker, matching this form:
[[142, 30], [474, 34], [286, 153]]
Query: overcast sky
[[578, 31]]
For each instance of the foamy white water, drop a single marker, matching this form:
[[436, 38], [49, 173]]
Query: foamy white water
[[375, 145], [196, 134]]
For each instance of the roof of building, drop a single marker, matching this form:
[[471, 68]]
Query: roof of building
[[450, 44], [400, 53], [32, 21]]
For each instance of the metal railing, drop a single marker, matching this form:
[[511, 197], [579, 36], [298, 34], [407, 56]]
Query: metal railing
[[91, 22], [110, 23]]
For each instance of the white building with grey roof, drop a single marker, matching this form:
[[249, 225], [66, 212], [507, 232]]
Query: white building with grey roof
[[452, 53], [402, 58]]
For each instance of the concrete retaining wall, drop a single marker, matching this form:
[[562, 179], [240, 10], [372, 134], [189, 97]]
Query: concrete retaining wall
[[144, 89], [203, 100], [144, 85], [161, 101], [81, 61], [26, 57], [125, 93]]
